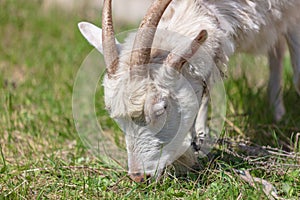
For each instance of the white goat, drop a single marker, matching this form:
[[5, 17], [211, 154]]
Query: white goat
[[144, 73]]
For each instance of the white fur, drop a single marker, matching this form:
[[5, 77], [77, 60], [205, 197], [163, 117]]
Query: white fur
[[252, 26]]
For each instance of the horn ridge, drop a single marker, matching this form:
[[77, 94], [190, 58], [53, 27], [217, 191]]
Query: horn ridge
[[110, 50], [176, 61], [145, 35]]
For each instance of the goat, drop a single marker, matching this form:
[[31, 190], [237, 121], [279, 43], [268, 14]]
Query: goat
[[152, 64]]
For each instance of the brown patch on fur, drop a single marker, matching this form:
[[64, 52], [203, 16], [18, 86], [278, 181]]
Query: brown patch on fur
[[168, 15]]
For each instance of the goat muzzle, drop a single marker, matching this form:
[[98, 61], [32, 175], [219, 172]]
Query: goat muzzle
[[140, 177]]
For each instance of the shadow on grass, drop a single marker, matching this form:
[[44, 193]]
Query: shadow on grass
[[250, 111]]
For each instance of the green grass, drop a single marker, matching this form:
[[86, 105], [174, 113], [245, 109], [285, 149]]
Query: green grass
[[42, 157]]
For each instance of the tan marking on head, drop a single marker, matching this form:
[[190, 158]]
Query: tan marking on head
[[168, 15]]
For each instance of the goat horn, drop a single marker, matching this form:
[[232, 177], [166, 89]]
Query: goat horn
[[176, 61], [110, 50], [145, 35]]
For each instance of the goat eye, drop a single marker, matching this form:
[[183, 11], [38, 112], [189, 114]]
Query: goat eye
[[165, 106]]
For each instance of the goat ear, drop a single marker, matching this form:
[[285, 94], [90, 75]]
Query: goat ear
[[93, 34]]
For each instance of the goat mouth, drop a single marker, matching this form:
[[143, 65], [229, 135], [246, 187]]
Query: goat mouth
[[147, 178], [140, 177]]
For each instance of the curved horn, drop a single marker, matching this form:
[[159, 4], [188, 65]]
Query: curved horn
[[110, 50], [144, 37], [177, 61]]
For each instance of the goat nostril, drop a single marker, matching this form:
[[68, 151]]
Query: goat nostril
[[139, 177]]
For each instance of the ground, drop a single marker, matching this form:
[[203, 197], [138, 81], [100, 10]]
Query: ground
[[42, 156]]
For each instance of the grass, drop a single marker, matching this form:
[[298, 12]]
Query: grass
[[42, 156]]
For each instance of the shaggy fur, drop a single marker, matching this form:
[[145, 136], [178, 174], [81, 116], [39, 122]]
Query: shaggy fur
[[156, 134]]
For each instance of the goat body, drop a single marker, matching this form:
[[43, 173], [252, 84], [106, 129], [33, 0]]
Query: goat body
[[159, 127]]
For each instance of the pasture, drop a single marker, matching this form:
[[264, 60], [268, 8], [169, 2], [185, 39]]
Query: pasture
[[42, 156]]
